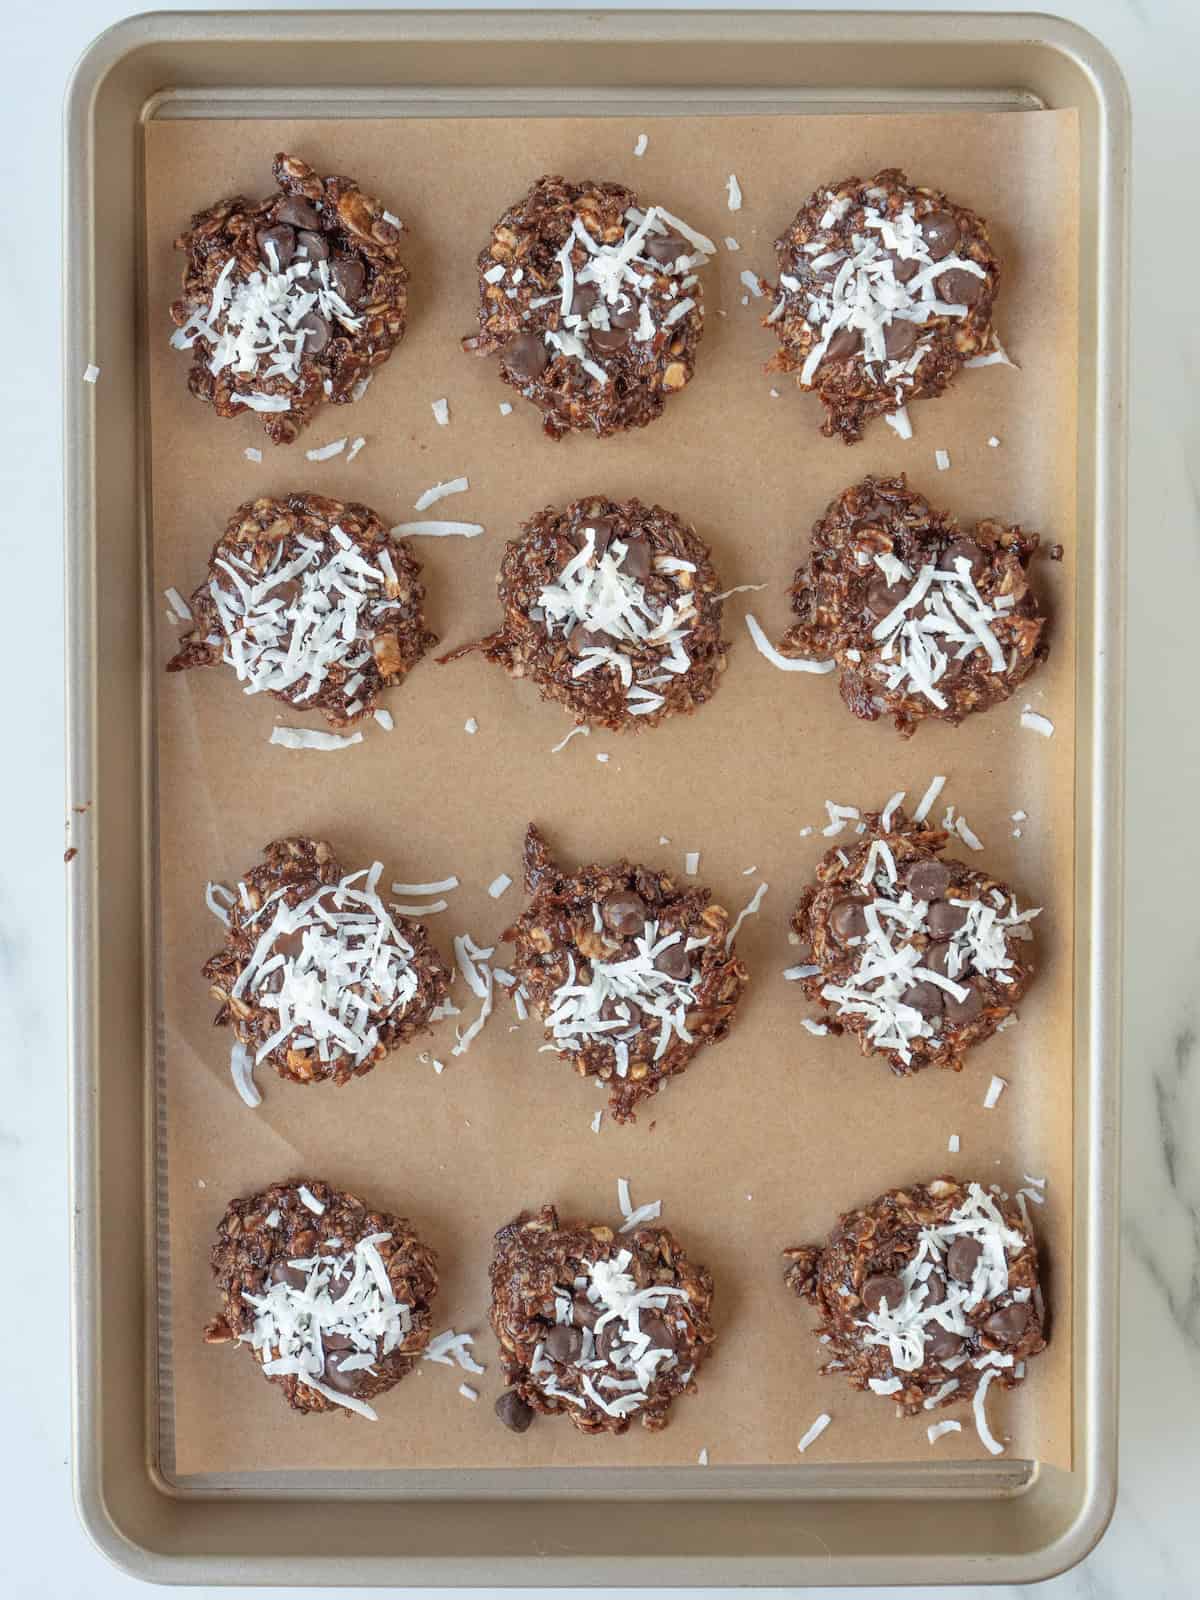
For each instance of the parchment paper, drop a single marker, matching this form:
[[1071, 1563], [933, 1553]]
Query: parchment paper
[[768, 1136]]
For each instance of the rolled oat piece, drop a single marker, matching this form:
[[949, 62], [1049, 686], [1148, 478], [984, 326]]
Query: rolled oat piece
[[319, 976], [927, 1295], [331, 1297], [593, 304], [605, 1327], [291, 300], [919, 957], [612, 608], [312, 601], [631, 974], [926, 619], [885, 290]]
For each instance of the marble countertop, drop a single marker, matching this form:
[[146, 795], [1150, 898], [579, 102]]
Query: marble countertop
[[1152, 1548]]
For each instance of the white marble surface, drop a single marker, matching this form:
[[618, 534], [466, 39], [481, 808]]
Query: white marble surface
[[1153, 1547]]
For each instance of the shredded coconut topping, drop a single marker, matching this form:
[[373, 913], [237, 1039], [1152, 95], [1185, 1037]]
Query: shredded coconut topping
[[941, 618]]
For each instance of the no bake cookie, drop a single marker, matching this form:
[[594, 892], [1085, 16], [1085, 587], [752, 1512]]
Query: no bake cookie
[[630, 973], [885, 291], [611, 608], [291, 300], [319, 976], [592, 303], [312, 601], [605, 1327], [926, 619], [919, 957], [329, 1296]]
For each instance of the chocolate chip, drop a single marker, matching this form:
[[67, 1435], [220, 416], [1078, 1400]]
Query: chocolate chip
[[284, 240], [637, 560], [609, 1337], [674, 961], [657, 1330], [957, 550], [940, 1343], [958, 288], [905, 267], [316, 333], [513, 1412], [526, 356], [940, 232], [847, 920], [845, 343], [960, 1011], [349, 278], [342, 1382], [1009, 1323], [925, 998], [282, 1272], [945, 919], [292, 208], [936, 957], [313, 245], [585, 299], [883, 596], [927, 880], [881, 1286], [625, 313], [607, 341], [665, 248], [935, 1289], [582, 638], [564, 1343], [900, 338], [583, 1313], [602, 529], [961, 1258], [624, 912]]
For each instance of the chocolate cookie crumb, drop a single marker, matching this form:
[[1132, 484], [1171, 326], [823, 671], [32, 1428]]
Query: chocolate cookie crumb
[[885, 290], [593, 304], [924, 619], [605, 1328], [926, 1295], [290, 301], [318, 975], [630, 973], [919, 957], [329, 1295], [611, 608], [312, 601]]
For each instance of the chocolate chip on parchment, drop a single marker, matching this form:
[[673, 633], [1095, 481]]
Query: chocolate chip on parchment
[[513, 1412], [526, 356]]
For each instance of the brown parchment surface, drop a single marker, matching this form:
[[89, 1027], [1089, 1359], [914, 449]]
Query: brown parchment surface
[[768, 1136]]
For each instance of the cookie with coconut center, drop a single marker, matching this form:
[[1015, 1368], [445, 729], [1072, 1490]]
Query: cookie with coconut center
[[592, 304], [330, 1296], [919, 957], [319, 976], [886, 290], [604, 1328], [613, 609], [312, 601], [630, 973], [290, 301], [926, 620], [927, 1296]]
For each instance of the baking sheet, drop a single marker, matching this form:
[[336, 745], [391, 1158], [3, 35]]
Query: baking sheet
[[769, 1135]]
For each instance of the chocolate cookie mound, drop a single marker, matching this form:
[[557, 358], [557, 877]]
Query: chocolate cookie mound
[[312, 601], [630, 974], [927, 1296], [593, 304], [329, 1296], [606, 1328], [924, 619], [612, 608], [318, 975], [290, 301], [920, 958], [885, 291]]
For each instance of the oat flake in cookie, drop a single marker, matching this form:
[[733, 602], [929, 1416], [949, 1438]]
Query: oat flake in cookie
[[312, 601], [611, 608], [927, 1296], [630, 973], [606, 1328], [920, 958], [925, 619], [593, 304], [290, 301], [885, 291], [319, 975], [331, 1297]]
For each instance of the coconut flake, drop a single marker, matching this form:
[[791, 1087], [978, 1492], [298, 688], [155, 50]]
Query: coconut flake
[[567, 737], [597, 1119], [993, 443], [929, 798], [731, 243], [470, 725], [450, 1349], [183, 612], [936, 1430], [979, 1407], [734, 189], [952, 1144], [639, 148], [751, 280], [418, 889], [817, 1029], [440, 491], [438, 530], [355, 448], [889, 810], [91, 372], [967, 834], [326, 452], [1036, 723], [702, 1458], [942, 460], [995, 1089], [309, 1199], [385, 719], [785, 663], [441, 412], [691, 863], [252, 453], [994, 358], [750, 909], [815, 1432], [498, 885], [467, 1392], [505, 409], [312, 739], [899, 422], [241, 1066]]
